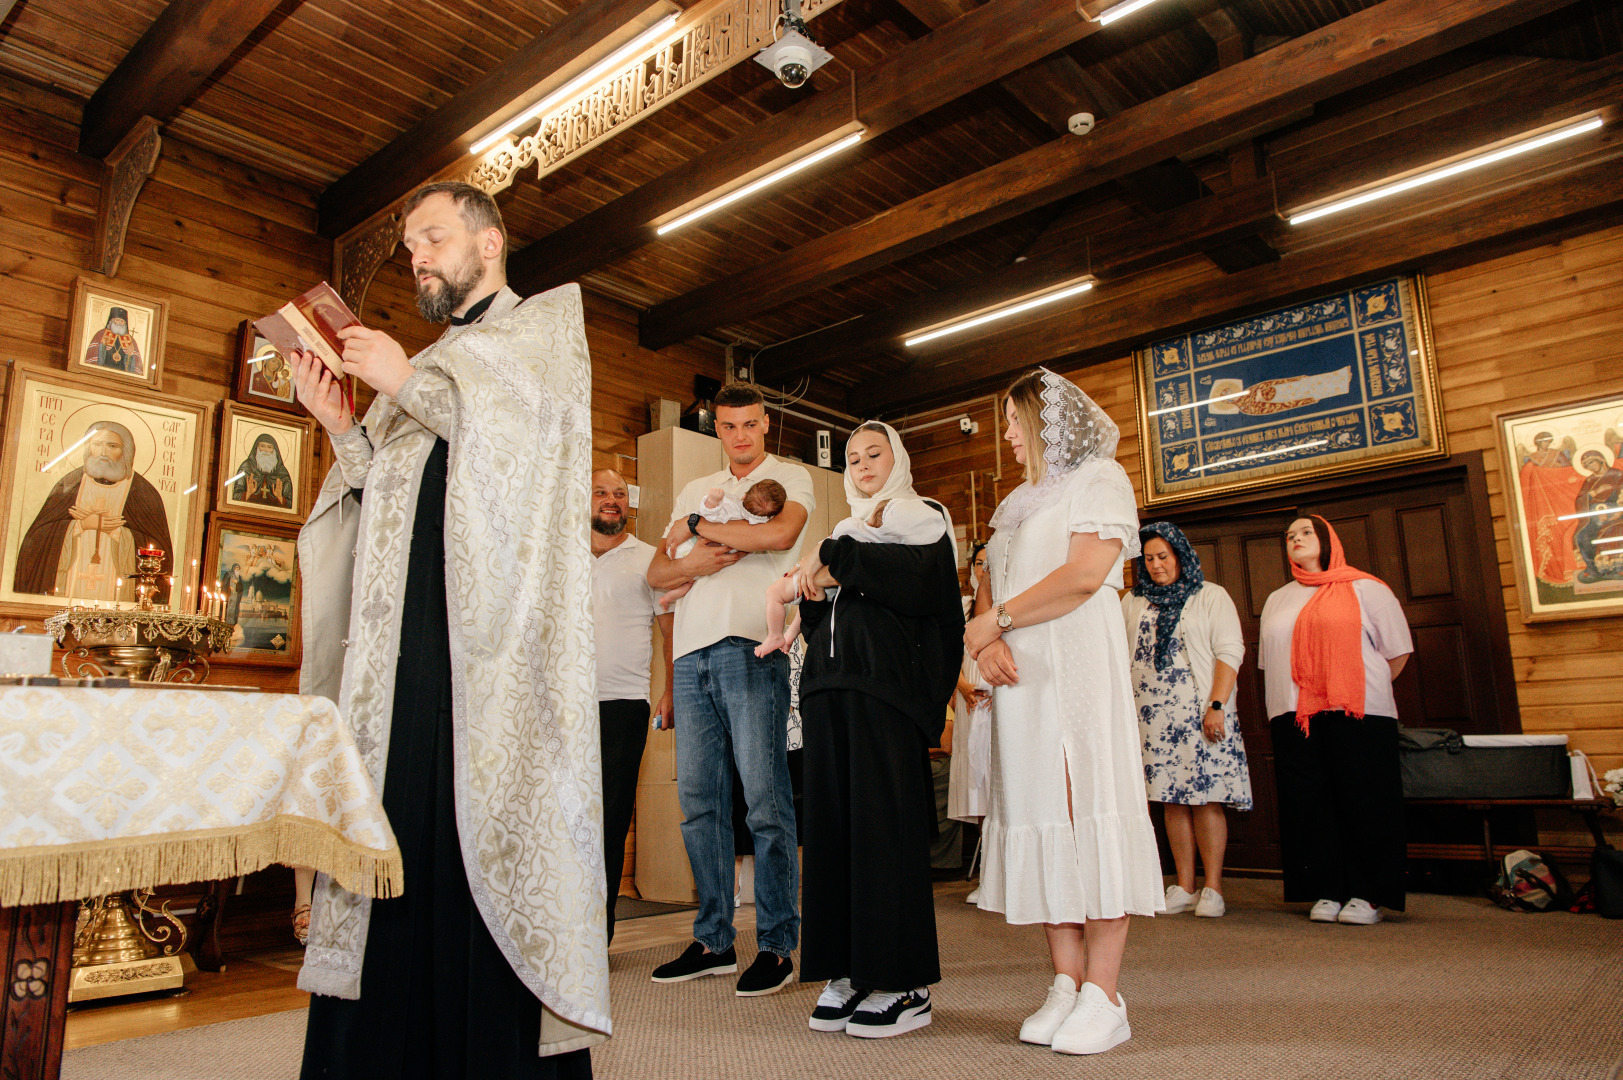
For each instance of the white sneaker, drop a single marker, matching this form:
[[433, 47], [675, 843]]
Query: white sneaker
[[974, 896], [1178, 900], [1095, 1025], [1325, 911], [1210, 905], [1359, 913], [1040, 1026]]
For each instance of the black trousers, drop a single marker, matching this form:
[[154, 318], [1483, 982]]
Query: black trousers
[[624, 733], [867, 907], [1340, 809]]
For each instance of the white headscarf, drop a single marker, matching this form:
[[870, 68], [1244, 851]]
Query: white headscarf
[[1074, 430], [907, 508]]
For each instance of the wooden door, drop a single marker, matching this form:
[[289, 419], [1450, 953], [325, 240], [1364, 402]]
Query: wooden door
[[1422, 536]]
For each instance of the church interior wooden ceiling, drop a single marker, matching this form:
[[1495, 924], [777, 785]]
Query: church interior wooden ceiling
[[967, 189]]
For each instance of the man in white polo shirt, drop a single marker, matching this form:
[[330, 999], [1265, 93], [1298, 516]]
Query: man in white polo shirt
[[624, 608], [733, 706]]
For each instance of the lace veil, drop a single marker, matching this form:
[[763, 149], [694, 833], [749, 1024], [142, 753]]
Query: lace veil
[[1075, 430]]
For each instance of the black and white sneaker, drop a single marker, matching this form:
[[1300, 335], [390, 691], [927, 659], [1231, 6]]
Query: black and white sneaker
[[884, 1013], [835, 1005], [695, 963], [767, 975]]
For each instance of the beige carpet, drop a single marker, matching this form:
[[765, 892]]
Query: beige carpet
[[1456, 989]]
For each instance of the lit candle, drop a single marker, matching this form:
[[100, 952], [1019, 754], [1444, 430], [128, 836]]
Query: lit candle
[[186, 609], [118, 595], [199, 589], [169, 602]]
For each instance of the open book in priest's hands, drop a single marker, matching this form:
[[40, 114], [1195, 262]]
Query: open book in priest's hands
[[310, 323]]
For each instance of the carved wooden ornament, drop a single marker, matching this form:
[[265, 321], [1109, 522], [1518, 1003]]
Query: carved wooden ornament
[[123, 174]]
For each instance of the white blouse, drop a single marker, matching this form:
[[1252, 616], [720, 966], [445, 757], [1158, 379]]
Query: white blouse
[[1385, 637]]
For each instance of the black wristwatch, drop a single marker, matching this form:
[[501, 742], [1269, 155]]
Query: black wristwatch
[[693, 523], [1218, 705]]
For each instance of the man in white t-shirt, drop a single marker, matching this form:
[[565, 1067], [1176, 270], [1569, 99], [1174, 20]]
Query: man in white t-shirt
[[734, 705], [624, 609]]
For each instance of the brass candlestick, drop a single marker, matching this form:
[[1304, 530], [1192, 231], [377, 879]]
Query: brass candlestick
[[147, 643], [123, 945]]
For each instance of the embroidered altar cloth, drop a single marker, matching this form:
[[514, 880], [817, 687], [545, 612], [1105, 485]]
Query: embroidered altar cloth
[[102, 790]]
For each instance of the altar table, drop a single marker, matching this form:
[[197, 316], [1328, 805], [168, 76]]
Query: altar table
[[103, 790]]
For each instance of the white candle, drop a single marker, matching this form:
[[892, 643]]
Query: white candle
[[169, 601]]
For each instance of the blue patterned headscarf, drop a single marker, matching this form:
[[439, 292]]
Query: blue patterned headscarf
[[1168, 599]]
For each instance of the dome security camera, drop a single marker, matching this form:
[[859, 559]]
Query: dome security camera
[[792, 65], [793, 57], [1080, 123]]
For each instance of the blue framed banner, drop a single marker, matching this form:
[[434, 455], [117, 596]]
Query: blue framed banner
[[1337, 384]]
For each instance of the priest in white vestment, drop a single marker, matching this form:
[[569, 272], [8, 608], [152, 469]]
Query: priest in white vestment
[[447, 610]]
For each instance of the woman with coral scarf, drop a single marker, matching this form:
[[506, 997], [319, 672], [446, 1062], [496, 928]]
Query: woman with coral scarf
[[1332, 642]]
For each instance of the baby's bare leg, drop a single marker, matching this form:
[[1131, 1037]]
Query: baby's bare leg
[[669, 600], [780, 593]]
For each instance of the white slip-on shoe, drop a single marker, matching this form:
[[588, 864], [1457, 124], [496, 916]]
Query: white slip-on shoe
[[1210, 905], [1095, 1025], [1325, 911], [974, 896], [1040, 1026], [1178, 899], [1359, 913]]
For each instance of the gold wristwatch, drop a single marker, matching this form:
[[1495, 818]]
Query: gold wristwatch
[[1004, 619]]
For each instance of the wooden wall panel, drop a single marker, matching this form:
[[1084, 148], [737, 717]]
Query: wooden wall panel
[[1541, 327]]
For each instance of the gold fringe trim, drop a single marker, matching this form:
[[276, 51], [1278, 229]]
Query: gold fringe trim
[[45, 875]]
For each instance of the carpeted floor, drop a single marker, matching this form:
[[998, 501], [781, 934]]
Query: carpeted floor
[[1455, 989]]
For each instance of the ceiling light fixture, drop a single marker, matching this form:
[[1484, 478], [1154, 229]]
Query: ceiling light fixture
[[1442, 170], [615, 60], [1064, 290], [766, 181], [1110, 15], [1260, 454], [1198, 404]]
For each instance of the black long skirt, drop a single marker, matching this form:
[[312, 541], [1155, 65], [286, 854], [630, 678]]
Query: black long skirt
[[868, 908], [438, 1000], [1340, 809]]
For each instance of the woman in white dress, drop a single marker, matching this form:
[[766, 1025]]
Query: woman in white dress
[[969, 786], [1067, 839]]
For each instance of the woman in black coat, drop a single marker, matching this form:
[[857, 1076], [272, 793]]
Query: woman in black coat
[[881, 663]]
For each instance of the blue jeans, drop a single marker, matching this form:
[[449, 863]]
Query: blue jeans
[[733, 707]]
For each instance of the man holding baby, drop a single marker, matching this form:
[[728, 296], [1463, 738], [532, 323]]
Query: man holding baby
[[732, 705]]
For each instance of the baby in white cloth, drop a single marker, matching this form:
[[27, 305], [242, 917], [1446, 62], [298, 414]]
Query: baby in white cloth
[[905, 521], [762, 502]]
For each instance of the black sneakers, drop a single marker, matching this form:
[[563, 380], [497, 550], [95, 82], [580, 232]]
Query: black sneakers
[[695, 963], [835, 1005], [767, 975], [883, 1013]]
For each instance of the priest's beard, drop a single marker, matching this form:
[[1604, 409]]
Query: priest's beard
[[266, 462], [106, 470], [455, 287], [608, 528]]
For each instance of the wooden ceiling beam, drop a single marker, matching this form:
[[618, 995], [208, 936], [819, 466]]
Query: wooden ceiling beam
[[184, 46], [1126, 249], [1375, 42], [1583, 197], [999, 37], [437, 140]]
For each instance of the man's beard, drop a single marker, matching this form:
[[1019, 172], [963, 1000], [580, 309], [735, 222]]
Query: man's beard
[[608, 528], [266, 462], [454, 289], [106, 469]]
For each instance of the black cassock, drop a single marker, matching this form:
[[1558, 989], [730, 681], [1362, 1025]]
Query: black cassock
[[438, 999]]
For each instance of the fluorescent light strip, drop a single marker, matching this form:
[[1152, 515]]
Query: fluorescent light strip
[[83, 439], [234, 479], [1443, 172], [189, 490], [1261, 454], [1610, 540], [1569, 517], [1198, 404], [766, 181], [617, 59], [999, 313], [1122, 10]]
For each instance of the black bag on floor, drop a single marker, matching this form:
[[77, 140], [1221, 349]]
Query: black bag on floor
[[1529, 882], [1606, 881]]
